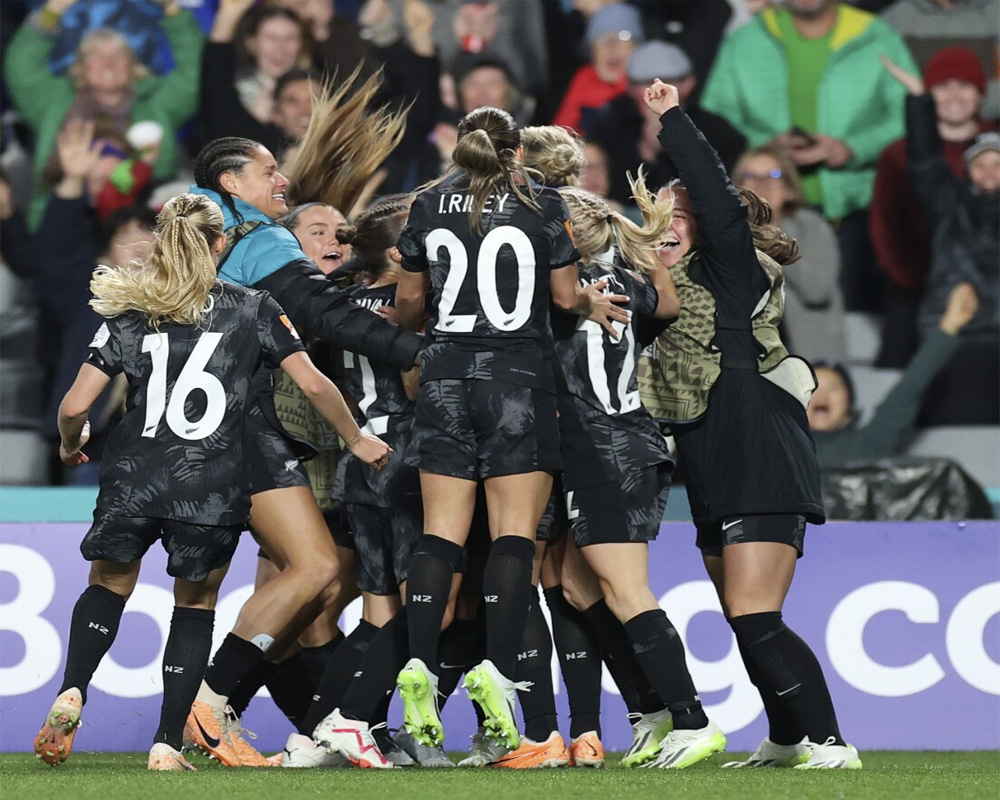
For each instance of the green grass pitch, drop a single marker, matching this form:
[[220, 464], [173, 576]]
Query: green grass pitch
[[887, 774]]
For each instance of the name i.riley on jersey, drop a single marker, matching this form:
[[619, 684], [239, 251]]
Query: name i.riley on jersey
[[461, 203]]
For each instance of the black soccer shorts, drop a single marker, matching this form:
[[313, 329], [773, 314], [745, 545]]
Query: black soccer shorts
[[270, 462], [629, 510], [384, 540], [787, 529], [193, 550], [476, 429]]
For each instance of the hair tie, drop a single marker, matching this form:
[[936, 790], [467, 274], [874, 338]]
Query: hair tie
[[609, 218]]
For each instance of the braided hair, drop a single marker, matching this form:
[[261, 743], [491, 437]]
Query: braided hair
[[375, 231], [228, 154]]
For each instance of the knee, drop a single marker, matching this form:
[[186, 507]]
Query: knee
[[322, 576], [627, 600], [572, 594], [114, 580]]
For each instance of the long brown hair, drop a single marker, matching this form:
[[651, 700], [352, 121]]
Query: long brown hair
[[768, 237], [488, 139], [174, 282], [347, 140]]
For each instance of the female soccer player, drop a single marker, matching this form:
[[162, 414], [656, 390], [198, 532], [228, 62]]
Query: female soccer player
[[189, 346], [243, 178], [736, 404]]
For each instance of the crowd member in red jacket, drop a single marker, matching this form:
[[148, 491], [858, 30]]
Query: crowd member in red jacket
[[900, 232]]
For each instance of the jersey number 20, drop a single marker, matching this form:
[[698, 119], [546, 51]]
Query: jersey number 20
[[192, 377], [486, 279]]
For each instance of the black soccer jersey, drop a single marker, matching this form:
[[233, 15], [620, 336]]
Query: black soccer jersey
[[490, 290], [599, 369], [178, 452], [377, 388]]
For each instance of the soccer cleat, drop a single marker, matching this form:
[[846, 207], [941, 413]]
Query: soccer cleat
[[393, 753], [586, 750], [680, 749], [248, 754], [301, 752], [830, 756], [421, 754], [352, 739], [770, 754], [483, 750], [495, 695], [208, 727], [418, 690], [536, 755], [55, 740], [648, 730], [163, 758]]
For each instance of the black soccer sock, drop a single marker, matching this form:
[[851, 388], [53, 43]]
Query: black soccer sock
[[792, 673], [660, 652], [507, 592], [638, 693], [250, 685], [292, 691], [329, 693], [534, 664], [428, 587], [184, 660], [375, 678], [456, 655], [316, 658], [781, 727], [579, 652], [232, 662], [92, 631]]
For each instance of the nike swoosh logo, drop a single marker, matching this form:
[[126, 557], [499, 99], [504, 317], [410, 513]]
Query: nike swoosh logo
[[782, 694], [727, 525], [210, 741]]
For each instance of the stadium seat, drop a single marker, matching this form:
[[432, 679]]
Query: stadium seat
[[975, 447]]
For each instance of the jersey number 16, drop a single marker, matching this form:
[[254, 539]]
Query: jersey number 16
[[192, 377]]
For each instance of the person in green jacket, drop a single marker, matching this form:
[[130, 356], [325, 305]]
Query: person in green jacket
[[835, 427], [106, 83], [806, 77]]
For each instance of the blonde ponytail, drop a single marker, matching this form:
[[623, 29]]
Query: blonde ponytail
[[174, 282]]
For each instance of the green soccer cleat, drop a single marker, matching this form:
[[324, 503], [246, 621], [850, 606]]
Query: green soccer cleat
[[418, 690], [495, 695], [648, 730], [680, 749]]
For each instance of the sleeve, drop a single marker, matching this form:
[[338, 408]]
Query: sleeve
[[63, 257], [644, 295], [177, 92], [411, 240], [15, 245], [932, 180], [723, 95], [559, 232], [106, 350], [222, 113], [892, 221], [278, 337], [27, 73], [328, 313], [815, 277]]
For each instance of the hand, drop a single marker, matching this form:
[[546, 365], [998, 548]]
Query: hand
[[603, 310], [170, 7], [227, 18], [6, 201], [78, 152], [418, 18], [962, 306], [76, 456], [661, 97], [370, 449], [389, 313], [912, 83], [478, 20], [824, 150]]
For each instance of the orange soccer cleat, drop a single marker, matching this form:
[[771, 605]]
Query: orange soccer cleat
[[55, 740], [208, 728], [586, 750], [536, 755], [249, 755]]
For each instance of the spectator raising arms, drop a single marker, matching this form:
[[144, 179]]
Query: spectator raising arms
[[106, 84]]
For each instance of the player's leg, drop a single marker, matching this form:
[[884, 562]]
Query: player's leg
[[758, 564]]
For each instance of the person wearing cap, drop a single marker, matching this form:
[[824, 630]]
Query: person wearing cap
[[805, 77], [613, 33], [965, 248], [627, 129], [901, 234]]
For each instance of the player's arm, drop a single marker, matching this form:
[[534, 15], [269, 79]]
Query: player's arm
[[327, 399], [410, 293], [411, 383], [590, 302], [668, 304], [74, 427]]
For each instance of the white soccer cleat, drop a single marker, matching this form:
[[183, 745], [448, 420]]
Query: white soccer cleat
[[830, 756], [419, 753], [163, 758], [680, 749], [351, 738], [496, 695], [301, 752], [770, 754], [648, 730], [483, 750]]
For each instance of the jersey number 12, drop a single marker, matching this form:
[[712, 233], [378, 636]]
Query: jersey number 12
[[192, 377]]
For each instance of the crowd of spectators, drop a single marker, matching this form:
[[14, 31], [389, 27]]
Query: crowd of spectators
[[868, 126]]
